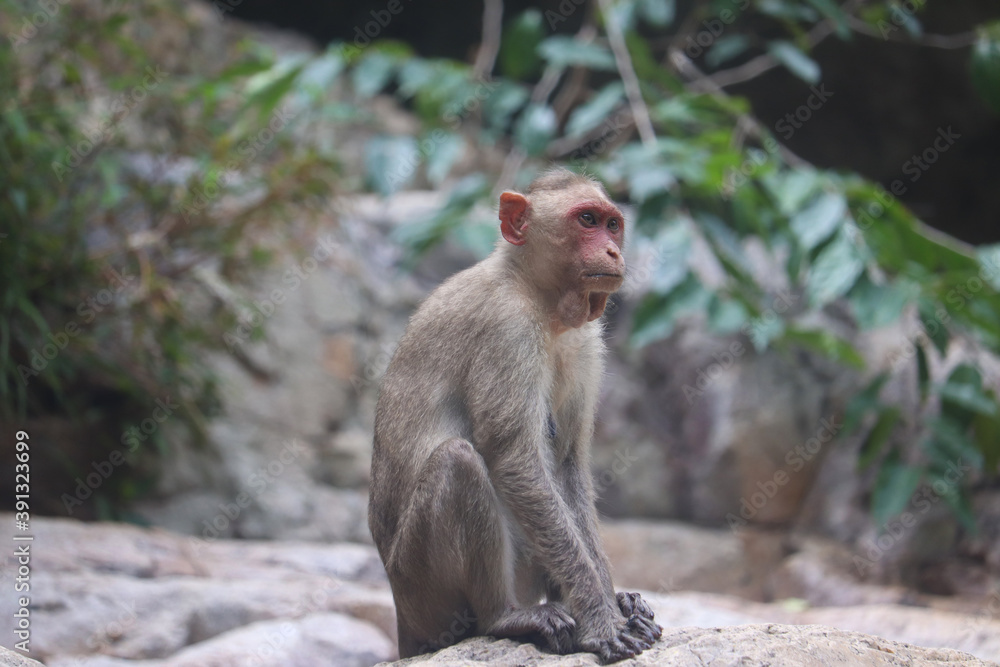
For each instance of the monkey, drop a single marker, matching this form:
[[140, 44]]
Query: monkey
[[481, 498]]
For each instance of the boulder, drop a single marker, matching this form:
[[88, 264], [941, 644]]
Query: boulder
[[766, 644]]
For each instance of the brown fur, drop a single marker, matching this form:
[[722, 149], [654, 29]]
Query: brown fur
[[482, 502]]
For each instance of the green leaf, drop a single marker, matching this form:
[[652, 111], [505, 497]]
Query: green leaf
[[876, 306], [834, 272], [422, 235], [986, 431], [519, 45], [989, 264], [962, 396], [923, 372], [445, 152], [984, 64], [791, 188], [535, 128], [788, 10], [894, 488], [832, 11], [267, 89], [671, 246], [863, 403], [905, 16], [563, 51], [726, 316], [414, 75], [878, 436], [506, 99], [373, 73], [936, 330], [659, 13], [657, 314], [819, 220], [647, 183], [596, 110], [950, 443], [725, 49], [825, 343], [390, 162], [762, 330], [793, 58]]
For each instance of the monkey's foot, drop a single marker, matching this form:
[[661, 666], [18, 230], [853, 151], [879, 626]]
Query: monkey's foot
[[636, 635], [632, 603], [549, 622]]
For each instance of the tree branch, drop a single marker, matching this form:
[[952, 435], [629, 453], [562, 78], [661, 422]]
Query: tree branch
[[747, 123], [956, 41], [624, 63], [486, 57]]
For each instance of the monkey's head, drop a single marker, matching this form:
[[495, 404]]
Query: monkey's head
[[567, 238]]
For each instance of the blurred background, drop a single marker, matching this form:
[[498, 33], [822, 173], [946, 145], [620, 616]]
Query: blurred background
[[216, 218]]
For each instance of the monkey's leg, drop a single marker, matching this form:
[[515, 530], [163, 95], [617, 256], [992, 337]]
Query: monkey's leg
[[452, 565]]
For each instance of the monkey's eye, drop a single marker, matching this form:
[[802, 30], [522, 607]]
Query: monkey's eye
[[588, 219], [614, 224]]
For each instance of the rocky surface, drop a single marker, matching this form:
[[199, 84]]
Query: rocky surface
[[113, 595], [10, 658], [790, 646]]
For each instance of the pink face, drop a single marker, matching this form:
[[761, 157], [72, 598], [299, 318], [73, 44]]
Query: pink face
[[600, 231]]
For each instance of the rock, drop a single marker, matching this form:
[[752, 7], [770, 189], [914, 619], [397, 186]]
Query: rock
[[317, 640], [10, 658], [656, 556], [111, 591], [768, 644]]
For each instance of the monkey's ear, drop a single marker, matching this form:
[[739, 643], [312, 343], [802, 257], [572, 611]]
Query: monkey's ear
[[514, 217]]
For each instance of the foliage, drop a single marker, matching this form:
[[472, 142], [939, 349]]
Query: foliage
[[714, 176], [138, 184]]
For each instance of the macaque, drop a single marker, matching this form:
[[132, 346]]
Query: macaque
[[482, 501]]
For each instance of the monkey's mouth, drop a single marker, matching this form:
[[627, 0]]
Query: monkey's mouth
[[604, 275]]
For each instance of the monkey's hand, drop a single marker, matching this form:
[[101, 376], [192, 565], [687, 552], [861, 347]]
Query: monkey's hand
[[627, 637], [632, 603]]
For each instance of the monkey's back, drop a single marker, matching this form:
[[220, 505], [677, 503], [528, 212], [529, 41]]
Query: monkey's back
[[465, 321]]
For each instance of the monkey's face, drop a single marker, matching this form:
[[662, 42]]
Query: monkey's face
[[571, 241], [599, 231]]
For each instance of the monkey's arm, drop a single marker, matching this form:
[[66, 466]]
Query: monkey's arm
[[579, 494], [525, 485]]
